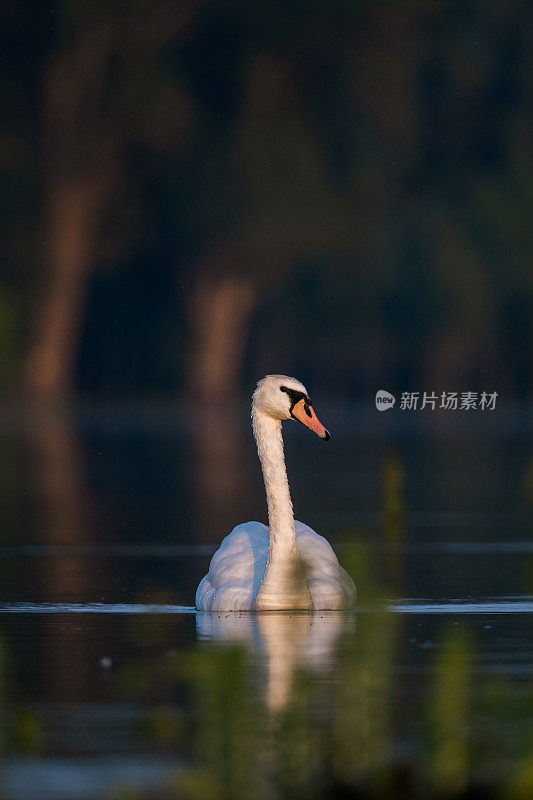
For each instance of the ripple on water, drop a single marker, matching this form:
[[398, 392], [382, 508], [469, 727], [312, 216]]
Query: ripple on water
[[522, 605]]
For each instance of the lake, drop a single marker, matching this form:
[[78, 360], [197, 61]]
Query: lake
[[114, 687]]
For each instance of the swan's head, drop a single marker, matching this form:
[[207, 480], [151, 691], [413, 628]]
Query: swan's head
[[281, 397]]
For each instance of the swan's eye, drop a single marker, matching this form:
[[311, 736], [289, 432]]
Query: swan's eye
[[307, 410], [283, 389]]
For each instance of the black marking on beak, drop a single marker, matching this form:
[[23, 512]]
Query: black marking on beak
[[327, 435], [295, 396]]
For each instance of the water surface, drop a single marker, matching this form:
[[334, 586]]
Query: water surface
[[109, 518]]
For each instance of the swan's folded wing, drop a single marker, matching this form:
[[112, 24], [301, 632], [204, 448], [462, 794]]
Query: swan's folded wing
[[330, 585], [235, 570]]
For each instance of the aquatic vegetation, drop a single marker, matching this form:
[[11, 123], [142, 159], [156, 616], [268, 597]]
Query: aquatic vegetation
[[242, 748], [393, 505], [228, 726], [449, 715]]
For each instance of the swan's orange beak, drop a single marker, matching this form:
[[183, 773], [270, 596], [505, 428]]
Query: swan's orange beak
[[304, 413]]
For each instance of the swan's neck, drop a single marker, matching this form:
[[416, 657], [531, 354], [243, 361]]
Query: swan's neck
[[267, 432], [283, 584]]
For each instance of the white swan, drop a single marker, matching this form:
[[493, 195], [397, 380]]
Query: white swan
[[286, 566]]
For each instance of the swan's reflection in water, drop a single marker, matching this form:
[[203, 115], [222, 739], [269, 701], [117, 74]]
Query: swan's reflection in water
[[281, 643]]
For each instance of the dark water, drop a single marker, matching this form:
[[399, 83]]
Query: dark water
[[109, 518]]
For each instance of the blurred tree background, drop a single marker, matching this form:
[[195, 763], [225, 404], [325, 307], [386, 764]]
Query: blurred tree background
[[197, 193]]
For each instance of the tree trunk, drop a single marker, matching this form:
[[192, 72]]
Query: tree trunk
[[220, 311], [220, 317], [71, 229]]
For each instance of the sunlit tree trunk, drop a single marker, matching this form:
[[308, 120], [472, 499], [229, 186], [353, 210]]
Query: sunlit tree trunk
[[71, 228], [220, 313]]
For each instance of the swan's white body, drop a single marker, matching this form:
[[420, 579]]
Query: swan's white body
[[286, 566], [238, 566]]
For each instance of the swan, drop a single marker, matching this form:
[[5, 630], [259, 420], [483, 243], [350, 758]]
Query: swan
[[286, 566]]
